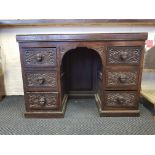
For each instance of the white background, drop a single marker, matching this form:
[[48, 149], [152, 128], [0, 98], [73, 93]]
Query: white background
[[80, 9], [43, 9]]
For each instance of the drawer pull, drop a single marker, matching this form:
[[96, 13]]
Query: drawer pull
[[123, 55], [42, 101], [41, 80], [123, 79], [120, 100], [39, 57]]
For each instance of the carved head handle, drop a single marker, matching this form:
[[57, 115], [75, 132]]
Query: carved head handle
[[41, 80], [39, 57], [122, 78], [42, 101], [121, 100], [123, 55]]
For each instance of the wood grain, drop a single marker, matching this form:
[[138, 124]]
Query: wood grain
[[40, 22], [81, 63]]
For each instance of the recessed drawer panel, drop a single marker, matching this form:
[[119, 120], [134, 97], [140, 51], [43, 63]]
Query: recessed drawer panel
[[39, 57], [122, 79], [42, 101], [41, 80], [124, 55], [118, 99]]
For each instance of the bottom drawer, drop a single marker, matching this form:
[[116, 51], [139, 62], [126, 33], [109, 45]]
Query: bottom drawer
[[120, 99], [42, 100]]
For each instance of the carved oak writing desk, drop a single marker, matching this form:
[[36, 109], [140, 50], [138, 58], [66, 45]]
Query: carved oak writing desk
[[105, 66]]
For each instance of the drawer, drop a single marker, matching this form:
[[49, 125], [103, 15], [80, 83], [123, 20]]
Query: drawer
[[124, 55], [39, 57], [41, 80], [120, 99], [42, 100], [122, 79]]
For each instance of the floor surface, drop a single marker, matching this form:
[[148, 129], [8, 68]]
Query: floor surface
[[81, 118]]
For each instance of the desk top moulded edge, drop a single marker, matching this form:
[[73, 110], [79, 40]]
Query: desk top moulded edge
[[83, 37]]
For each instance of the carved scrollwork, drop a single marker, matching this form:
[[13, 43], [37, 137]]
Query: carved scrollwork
[[121, 78], [47, 79], [121, 54], [42, 100], [120, 99], [64, 49], [100, 50], [40, 56]]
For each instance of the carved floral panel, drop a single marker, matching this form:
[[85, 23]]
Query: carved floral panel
[[121, 54], [46, 79], [121, 78], [40, 56], [42, 100], [120, 99]]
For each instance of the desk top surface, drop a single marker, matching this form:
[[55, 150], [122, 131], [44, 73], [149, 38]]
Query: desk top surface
[[82, 37]]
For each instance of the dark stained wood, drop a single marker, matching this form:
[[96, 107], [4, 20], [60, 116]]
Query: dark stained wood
[[128, 113], [43, 115], [116, 112], [82, 37], [57, 66], [122, 78], [39, 22], [81, 68]]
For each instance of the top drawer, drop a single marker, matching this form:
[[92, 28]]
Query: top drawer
[[39, 57], [130, 55]]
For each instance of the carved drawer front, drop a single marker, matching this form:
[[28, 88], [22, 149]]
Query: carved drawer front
[[118, 99], [41, 80], [42, 101], [121, 79], [124, 55], [40, 57]]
